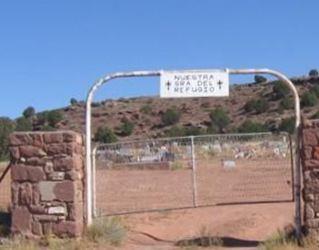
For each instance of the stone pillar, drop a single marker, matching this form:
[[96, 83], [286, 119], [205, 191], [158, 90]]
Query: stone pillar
[[47, 172], [310, 167]]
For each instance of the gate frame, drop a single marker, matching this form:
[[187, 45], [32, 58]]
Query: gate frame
[[89, 153]]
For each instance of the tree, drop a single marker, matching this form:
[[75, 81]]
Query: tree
[[7, 126], [73, 101], [288, 125], [309, 99], [260, 79], [286, 103], [170, 117], [219, 119], [313, 72], [105, 135], [126, 127], [24, 124], [54, 117], [280, 90], [249, 126], [29, 112], [259, 106]]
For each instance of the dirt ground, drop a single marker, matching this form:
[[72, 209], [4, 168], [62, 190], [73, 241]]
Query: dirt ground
[[242, 224]]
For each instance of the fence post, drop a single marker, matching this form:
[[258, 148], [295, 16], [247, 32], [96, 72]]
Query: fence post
[[194, 172]]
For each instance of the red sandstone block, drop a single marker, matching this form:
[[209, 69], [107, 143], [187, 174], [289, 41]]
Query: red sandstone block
[[64, 190], [63, 164], [36, 228], [309, 137], [21, 172], [15, 153], [17, 139], [37, 139], [21, 220], [53, 137], [31, 151], [68, 228], [72, 137], [307, 152], [26, 194], [56, 149]]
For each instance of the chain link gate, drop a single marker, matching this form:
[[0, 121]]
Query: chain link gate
[[195, 171]]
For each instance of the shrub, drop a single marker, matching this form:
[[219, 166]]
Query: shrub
[[219, 118], [280, 90], [315, 90], [175, 131], [309, 99], [108, 230], [286, 103], [7, 126], [105, 135], [73, 101], [170, 117], [251, 127], [287, 125], [313, 72], [29, 112], [315, 115], [260, 79], [193, 131], [259, 106], [54, 117], [42, 117], [126, 128], [24, 124], [146, 109]]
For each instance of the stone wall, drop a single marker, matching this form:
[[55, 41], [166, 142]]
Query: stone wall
[[47, 183], [310, 167]]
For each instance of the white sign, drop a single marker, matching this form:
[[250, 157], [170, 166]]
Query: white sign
[[194, 84]]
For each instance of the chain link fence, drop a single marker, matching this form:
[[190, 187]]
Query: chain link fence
[[186, 172]]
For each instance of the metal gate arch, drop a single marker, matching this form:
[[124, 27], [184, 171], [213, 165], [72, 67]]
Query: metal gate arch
[[109, 77]]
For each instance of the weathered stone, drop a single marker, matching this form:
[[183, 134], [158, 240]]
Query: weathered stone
[[15, 153], [21, 172], [60, 210], [15, 193], [36, 195], [47, 228], [46, 190], [48, 168], [73, 175], [75, 211], [308, 164], [21, 220], [45, 217], [64, 190], [72, 137], [68, 228], [36, 161], [37, 139], [309, 212], [56, 149], [53, 137], [307, 152], [316, 153], [36, 228], [56, 176], [309, 137], [37, 209], [17, 139], [312, 223], [64, 164], [26, 193], [31, 151]]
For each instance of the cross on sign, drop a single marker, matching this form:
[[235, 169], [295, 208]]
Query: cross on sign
[[220, 83], [168, 84]]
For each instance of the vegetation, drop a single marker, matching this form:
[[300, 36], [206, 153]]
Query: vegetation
[[286, 103], [177, 131], [313, 72], [54, 117], [24, 124], [146, 109], [315, 90], [219, 119], [260, 79], [73, 101], [126, 127], [108, 230], [280, 90], [105, 135], [249, 126], [287, 125], [258, 106], [170, 116], [29, 112], [7, 126], [309, 99]]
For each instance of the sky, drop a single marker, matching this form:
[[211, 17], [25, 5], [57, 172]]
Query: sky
[[52, 51]]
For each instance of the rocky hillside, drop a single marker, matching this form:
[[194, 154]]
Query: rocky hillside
[[258, 102]]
